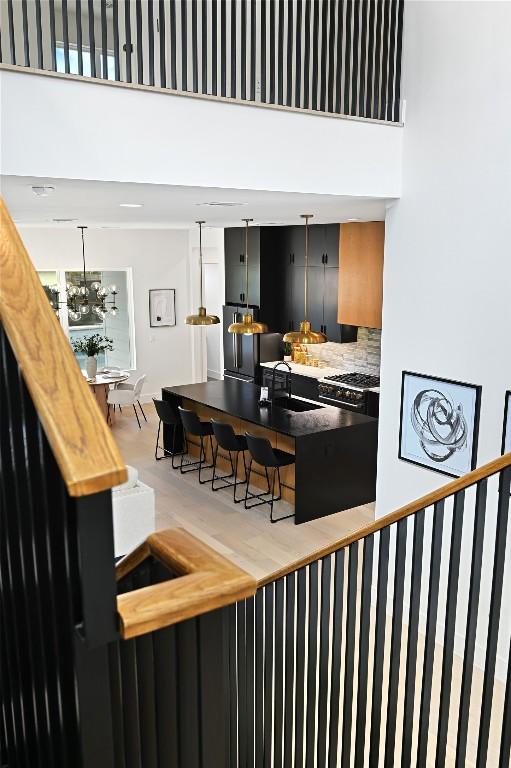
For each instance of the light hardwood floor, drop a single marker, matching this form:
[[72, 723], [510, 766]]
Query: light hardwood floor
[[245, 536]]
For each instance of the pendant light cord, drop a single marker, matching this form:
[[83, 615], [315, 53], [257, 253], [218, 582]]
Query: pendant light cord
[[246, 257], [200, 223], [83, 256], [306, 216]]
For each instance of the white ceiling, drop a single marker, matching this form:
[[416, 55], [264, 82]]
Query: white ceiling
[[97, 204]]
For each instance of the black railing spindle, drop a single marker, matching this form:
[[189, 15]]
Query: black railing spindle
[[243, 725], [104, 42], [150, 32], [349, 656], [92, 39], [128, 47], [12, 36], [300, 666], [289, 54], [269, 629], [471, 630], [335, 688], [259, 678], [501, 539], [312, 660], [363, 650], [379, 645], [39, 34], [413, 635], [450, 626], [26, 40], [250, 677], [65, 36], [140, 41], [195, 53], [324, 658], [279, 674], [395, 643], [289, 695]]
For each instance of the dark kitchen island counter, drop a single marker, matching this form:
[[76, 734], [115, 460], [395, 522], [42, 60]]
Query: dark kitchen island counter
[[335, 449]]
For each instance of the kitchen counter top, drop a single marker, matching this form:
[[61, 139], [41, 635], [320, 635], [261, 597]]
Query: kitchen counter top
[[241, 399], [314, 373]]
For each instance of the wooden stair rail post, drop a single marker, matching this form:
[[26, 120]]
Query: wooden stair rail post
[[204, 581], [81, 441]]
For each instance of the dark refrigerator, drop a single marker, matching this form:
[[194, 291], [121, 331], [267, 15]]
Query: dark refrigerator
[[242, 354]]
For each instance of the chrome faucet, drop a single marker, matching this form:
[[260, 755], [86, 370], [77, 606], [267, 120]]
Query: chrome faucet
[[288, 387]]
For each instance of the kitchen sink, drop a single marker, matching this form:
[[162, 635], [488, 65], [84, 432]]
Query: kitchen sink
[[296, 405]]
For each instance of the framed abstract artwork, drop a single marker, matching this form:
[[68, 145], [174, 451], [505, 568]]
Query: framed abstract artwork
[[439, 423], [162, 307], [506, 430]]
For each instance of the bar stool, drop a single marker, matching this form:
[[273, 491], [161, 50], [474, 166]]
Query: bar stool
[[169, 417], [262, 452], [232, 443], [192, 425]]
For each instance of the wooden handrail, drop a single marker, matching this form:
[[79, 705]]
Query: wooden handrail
[[449, 489], [204, 581], [80, 439]]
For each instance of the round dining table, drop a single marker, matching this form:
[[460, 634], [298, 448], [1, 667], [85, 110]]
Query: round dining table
[[100, 385]]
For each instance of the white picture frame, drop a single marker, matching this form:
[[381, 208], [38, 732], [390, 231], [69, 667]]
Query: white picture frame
[[162, 307]]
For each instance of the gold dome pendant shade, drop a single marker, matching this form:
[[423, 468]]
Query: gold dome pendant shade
[[248, 326], [305, 335], [201, 318]]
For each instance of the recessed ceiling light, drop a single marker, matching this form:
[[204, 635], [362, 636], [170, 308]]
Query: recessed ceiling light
[[131, 205], [43, 191], [351, 220], [63, 221], [222, 204]]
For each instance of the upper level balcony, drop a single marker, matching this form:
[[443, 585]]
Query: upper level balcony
[[295, 60]]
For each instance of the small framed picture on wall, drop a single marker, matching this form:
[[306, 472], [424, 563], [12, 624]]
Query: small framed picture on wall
[[506, 431], [439, 423], [162, 307]]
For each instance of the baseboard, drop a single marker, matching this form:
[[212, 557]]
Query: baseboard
[[214, 375]]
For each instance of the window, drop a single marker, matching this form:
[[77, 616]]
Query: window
[[119, 328], [86, 59]]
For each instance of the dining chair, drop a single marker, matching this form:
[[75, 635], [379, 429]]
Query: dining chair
[[131, 386], [122, 397]]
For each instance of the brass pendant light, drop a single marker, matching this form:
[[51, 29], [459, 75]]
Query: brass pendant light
[[248, 326], [201, 318], [305, 335]]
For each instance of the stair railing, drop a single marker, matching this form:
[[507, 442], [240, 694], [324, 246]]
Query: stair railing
[[390, 647]]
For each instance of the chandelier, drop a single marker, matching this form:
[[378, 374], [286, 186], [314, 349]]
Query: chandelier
[[82, 300]]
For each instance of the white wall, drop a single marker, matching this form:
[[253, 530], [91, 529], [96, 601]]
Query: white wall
[[145, 136], [447, 308], [159, 259]]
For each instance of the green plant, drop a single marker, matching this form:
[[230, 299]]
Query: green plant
[[92, 345], [287, 348]]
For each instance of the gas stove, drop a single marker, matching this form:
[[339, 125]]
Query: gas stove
[[354, 380], [348, 390]]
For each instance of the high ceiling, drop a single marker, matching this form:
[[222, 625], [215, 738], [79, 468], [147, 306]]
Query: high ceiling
[[98, 204]]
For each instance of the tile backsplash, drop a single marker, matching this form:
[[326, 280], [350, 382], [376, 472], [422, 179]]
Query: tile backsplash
[[362, 356]]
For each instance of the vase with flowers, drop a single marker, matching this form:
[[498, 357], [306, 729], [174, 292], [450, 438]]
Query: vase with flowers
[[92, 346]]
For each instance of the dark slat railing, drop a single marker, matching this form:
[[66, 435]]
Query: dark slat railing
[[371, 654], [333, 56]]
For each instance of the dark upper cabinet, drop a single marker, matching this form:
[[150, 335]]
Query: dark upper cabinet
[[277, 274], [235, 266], [331, 247]]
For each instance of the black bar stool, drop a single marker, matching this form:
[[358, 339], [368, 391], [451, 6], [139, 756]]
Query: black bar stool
[[192, 425], [167, 416], [229, 441], [262, 452]]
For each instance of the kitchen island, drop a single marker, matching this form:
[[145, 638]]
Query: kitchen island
[[335, 449]]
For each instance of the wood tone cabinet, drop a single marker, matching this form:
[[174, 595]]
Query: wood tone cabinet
[[361, 247]]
